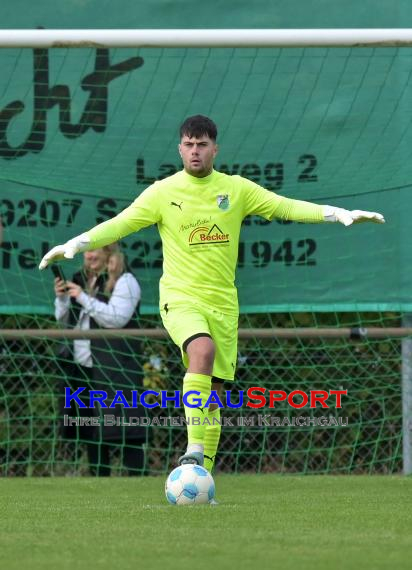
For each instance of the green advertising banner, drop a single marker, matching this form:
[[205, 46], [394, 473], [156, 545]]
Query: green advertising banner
[[84, 131]]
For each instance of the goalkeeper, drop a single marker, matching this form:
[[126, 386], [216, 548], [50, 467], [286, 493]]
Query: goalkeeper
[[199, 213]]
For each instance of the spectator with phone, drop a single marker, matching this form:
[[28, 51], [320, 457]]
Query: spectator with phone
[[75, 359], [104, 294]]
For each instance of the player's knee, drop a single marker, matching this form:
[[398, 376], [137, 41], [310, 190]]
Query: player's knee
[[205, 358]]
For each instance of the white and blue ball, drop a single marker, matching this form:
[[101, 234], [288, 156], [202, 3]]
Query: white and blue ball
[[189, 485]]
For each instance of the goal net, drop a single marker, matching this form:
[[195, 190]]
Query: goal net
[[84, 130]]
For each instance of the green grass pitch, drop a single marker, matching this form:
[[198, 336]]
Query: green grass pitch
[[263, 521]]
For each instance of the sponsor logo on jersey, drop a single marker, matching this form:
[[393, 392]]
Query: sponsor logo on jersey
[[223, 201], [196, 224], [208, 236]]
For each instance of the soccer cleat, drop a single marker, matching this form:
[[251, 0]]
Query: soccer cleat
[[195, 458], [213, 502]]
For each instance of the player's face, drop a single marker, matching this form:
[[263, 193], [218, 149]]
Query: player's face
[[198, 155]]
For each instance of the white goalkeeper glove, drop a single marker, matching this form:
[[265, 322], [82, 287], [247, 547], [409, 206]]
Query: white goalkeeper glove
[[66, 251], [349, 217]]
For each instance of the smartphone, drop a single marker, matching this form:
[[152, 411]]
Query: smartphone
[[58, 272]]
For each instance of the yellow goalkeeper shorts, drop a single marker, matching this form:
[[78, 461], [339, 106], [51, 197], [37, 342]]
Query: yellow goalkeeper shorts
[[183, 321]]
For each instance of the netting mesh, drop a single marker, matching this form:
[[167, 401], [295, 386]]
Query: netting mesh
[[82, 132], [369, 369]]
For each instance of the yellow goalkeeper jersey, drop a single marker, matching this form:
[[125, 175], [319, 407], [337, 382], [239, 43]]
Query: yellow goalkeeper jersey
[[199, 221]]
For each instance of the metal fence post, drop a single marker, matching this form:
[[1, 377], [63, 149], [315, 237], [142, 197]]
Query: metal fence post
[[407, 397]]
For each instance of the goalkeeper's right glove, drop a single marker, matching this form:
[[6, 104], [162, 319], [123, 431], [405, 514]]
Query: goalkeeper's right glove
[[66, 251]]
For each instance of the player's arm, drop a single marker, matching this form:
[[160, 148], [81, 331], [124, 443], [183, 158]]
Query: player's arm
[[300, 211], [269, 205], [141, 213]]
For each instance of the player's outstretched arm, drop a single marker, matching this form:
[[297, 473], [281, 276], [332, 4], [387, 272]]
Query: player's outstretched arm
[[141, 213], [308, 212], [349, 217], [103, 234], [270, 205]]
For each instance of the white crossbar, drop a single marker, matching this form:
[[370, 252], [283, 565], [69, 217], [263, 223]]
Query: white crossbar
[[398, 37]]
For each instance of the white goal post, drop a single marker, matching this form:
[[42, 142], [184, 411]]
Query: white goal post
[[325, 37]]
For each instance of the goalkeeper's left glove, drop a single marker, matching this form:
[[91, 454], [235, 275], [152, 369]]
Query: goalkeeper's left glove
[[349, 217]]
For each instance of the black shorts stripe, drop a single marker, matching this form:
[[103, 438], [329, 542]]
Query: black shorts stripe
[[188, 340], [219, 380]]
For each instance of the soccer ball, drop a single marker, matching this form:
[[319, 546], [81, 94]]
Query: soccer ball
[[189, 485]]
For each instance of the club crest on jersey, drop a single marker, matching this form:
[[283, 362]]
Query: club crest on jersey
[[223, 201]]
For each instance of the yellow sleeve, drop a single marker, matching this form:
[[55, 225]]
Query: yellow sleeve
[[269, 205], [143, 212], [299, 211]]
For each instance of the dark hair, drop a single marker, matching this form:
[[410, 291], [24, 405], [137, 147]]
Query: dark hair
[[198, 126]]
